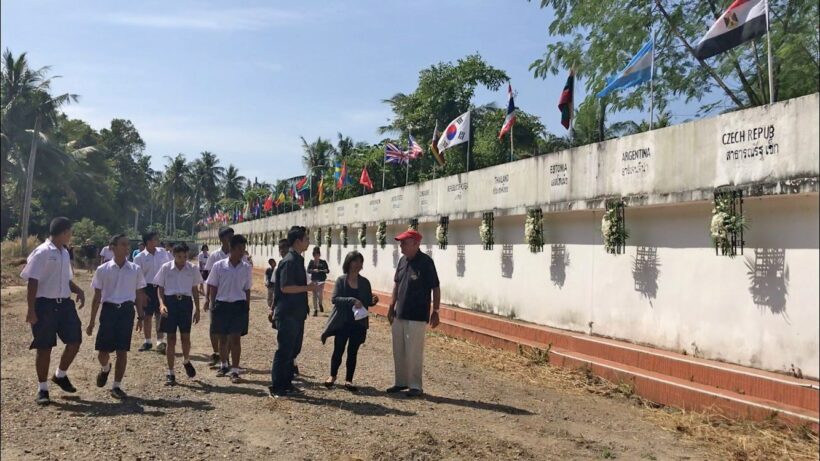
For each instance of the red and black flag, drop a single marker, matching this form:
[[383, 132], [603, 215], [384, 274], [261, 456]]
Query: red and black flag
[[565, 103], [744, 20]]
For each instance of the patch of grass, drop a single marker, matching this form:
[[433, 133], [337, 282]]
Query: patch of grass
[[11, 249]]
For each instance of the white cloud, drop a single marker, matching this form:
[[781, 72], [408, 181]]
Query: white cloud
[[215, 20]]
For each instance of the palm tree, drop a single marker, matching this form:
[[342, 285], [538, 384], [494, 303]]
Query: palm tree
[[316, 158], [205, 176], [175, 185], [232, 183], [25, 101]]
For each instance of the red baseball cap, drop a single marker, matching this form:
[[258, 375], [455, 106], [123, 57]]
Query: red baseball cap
[[409, 234]]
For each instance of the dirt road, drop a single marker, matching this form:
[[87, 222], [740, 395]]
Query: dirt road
[[471, 411]]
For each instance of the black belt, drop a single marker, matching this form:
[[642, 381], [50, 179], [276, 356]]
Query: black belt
[[56, 300], [118, 305], [178, 297]]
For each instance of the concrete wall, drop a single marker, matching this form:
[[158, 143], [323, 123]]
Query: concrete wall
[[669, 289]]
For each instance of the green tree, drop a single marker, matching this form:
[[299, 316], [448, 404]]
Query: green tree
[[317, 158], [444, 91], [87, 229], [232, 184], [175, 186], [488, 150], [598, 37]]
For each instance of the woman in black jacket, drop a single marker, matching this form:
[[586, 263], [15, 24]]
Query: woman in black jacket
[[352, 291]]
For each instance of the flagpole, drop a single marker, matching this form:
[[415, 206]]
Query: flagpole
[[652, 75], [769, 43], [470, 127], [511, 142], [384, 169]]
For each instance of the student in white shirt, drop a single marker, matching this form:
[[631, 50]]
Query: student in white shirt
[[202, 259], [106, 254], [178, 282], [51, 312], [119, 285], [229, 284], [225, 235], [150, 260]]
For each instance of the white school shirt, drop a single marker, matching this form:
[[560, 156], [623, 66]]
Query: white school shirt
[[51, 267], [150, 263], [217, 256], [203, 260], [107, 254], [175, 281], [118, 284], [231, 281]]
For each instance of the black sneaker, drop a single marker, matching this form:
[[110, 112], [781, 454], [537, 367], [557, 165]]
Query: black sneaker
[[170, 380], [315, 313], [214, 360], [189, 369], [42, 398], [321, 308], [118, 393], [235, 377], [414, 393], [161, 348], [394, 389], [276, 393], [223, 371], [145, 347], [64, 384], [102, 377], [293, 390]]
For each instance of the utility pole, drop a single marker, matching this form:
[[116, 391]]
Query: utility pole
[[29, 185]]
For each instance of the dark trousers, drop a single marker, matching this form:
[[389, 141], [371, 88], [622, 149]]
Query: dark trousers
[[289, 332], [353, 338]]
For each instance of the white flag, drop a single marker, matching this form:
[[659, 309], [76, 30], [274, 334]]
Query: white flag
[[457, 132]]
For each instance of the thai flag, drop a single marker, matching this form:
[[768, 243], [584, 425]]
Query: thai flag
[[392, 154], [509, 120], [414, 150]]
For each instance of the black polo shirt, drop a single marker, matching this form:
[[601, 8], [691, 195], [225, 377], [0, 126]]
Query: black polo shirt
[[416, 278], [290, 272]]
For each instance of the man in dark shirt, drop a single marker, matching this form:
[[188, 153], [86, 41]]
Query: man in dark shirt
[[416, 278], [291, 294], [89, 251]]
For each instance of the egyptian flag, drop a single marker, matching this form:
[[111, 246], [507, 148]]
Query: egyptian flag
[[434, 146], [565, 103], [744, 20], [365, 181], [509, 121]]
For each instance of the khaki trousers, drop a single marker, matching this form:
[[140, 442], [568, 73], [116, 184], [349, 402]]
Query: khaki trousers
[[408, 352]]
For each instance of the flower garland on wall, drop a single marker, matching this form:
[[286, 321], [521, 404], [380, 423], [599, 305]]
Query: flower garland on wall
[[613, 231], [414, 224], [441, 234], [317, 235], [725, 224], [343, 236], [485, 231], [381, 234], [363, 235], [328, 238], [534, 230]]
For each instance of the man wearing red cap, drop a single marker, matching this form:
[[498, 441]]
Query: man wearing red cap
[[409, 312]]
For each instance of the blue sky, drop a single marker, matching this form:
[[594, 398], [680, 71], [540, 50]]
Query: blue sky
[[245, 79]]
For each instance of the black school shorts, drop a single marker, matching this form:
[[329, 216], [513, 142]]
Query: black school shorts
[[116, 326], [180, 315], [230, 318], [55, 319], [152, 306]]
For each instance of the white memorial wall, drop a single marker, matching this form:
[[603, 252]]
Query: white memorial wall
[[669, 289]]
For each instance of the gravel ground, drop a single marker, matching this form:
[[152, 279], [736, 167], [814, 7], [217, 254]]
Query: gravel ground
[[471, 411]]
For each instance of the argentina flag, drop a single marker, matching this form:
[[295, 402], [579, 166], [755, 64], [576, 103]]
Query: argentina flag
[[638, 70]]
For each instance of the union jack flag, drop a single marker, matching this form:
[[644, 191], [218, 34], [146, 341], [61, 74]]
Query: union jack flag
[[392, 154], [414, 151]]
